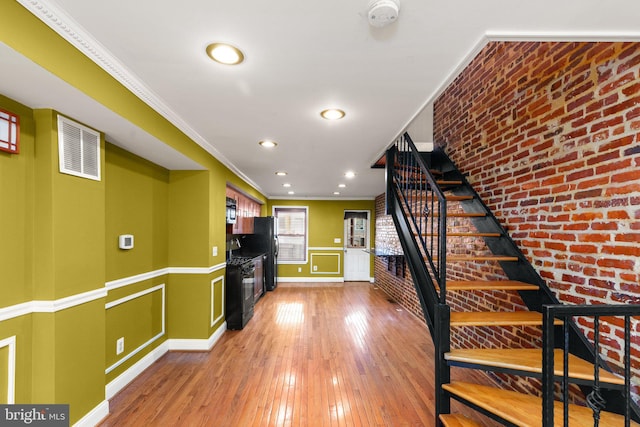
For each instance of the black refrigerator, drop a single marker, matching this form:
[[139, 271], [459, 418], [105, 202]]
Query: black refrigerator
[[264, 240]]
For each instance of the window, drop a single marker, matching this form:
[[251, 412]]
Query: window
[[291, 228], [9, 131]]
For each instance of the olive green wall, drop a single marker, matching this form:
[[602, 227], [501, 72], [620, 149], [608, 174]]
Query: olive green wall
[[69, 240], [326, 222], [137, 197], [62, 243], [16, 188]]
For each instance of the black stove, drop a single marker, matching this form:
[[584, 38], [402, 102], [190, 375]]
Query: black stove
[[238, 260]]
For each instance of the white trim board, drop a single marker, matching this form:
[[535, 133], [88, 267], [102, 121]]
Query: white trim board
[[10, 343], [310, 279], [311, 255], [43, 306], [93, 417], [39, 306], [213, 305], [125, 281]]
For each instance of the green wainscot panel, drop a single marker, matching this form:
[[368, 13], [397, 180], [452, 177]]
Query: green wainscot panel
[[138, 318], [217, 301], [325, 263]]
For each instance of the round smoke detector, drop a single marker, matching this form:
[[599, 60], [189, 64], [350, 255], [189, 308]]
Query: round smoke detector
[[383, 12]]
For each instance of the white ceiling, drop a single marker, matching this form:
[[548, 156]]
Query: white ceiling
[[300, 58]]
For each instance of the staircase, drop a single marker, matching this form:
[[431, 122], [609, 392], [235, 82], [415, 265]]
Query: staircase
[[426, 194]]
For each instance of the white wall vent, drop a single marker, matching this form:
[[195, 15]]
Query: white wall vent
[[79, 149]]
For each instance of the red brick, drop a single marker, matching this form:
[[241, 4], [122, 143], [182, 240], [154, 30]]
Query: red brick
[[579, 175], [629, 176], [584, 249], [621, 106], [628, 237], [620, 81], [616, 263]]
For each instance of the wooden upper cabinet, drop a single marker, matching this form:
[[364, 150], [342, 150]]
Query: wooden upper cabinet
[[246, 209]]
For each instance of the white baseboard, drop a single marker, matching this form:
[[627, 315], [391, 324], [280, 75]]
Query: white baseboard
[[310, 279], [196, 344], [130, 374], [94, 416]]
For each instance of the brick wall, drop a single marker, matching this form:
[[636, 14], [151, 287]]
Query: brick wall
[[550, 136], [399, 288]]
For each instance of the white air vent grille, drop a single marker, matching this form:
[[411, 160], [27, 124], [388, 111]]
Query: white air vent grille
[[79, 149]]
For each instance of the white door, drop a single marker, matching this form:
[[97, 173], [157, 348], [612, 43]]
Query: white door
[[356, 240]]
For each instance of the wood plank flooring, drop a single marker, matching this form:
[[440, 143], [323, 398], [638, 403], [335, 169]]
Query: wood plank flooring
[[339, 355]]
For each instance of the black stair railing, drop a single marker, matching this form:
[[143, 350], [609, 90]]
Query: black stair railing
[[597, 398], [424, 204], [419, 211]]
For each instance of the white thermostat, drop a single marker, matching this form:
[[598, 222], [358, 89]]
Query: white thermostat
[[125, 241]]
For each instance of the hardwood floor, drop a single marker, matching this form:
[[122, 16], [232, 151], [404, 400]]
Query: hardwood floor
[[311, 356]]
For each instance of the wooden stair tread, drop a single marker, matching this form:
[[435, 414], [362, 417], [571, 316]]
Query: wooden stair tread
[[480, 258], [530, 360], [448, 182], [498, 318], [466, 234], [457, 420], [525, 410], [487, 285]]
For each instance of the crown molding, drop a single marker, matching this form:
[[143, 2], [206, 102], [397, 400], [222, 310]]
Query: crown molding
[[65, 26]]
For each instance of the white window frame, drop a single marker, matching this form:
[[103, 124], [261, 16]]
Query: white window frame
[[306, 233]]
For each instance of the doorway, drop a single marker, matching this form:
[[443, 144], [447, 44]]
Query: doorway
[[356, 242]]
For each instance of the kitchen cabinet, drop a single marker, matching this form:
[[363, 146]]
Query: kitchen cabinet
[[246, 209]]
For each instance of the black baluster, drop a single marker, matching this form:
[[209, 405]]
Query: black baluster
[[627, 371], [595, 400], [565, 373]]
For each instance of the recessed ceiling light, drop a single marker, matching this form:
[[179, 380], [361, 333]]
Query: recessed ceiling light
[[281, 173], [225, 53], [332, 114], [336, 193], [286, 185], [267, 143], [350, 174], [291, 192], [342, 185]]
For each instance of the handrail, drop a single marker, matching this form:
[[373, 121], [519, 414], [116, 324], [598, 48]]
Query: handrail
[[419, 211], [595, 400], [425, 206]]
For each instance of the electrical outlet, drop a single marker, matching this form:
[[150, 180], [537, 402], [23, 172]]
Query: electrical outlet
[[214, 251], [337, 240], [120, 345], [315, 268], [299, 269]]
